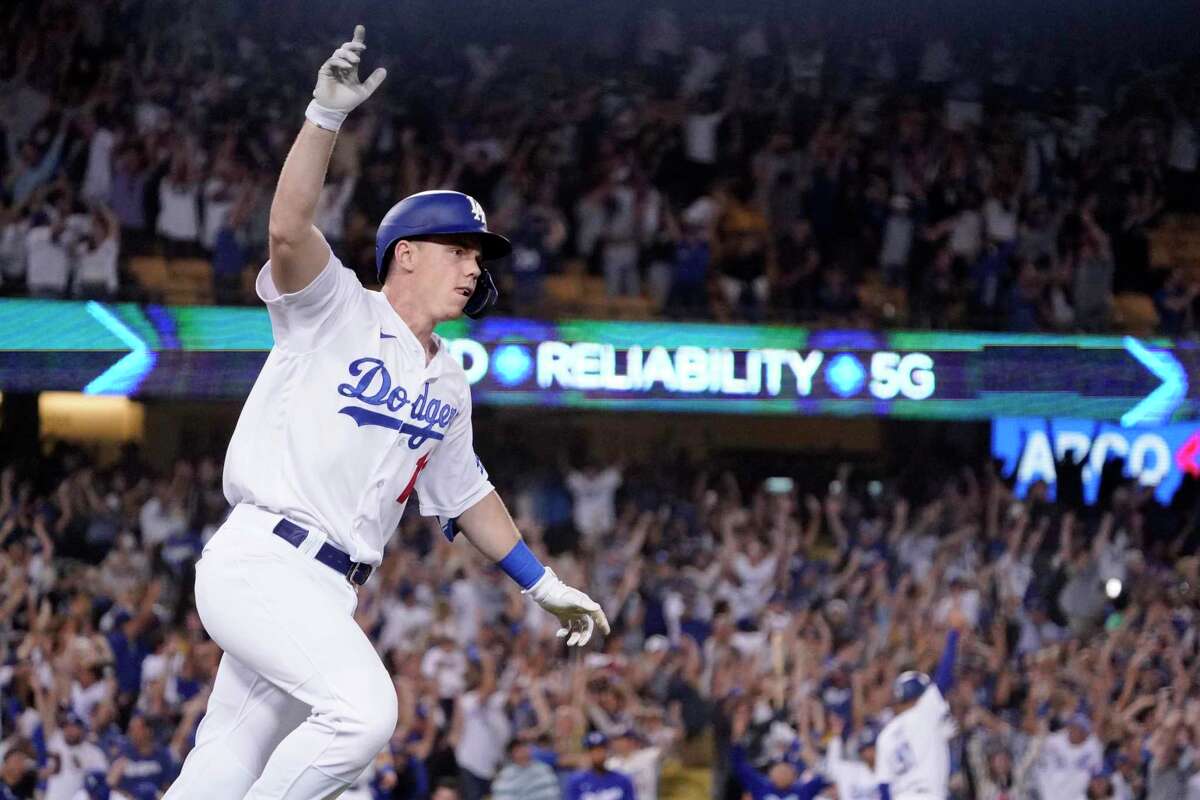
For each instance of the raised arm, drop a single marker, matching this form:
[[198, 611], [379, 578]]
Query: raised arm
[[944, 676], [298, 250]]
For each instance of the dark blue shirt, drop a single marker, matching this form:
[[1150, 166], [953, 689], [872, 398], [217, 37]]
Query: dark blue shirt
[[761, 788], [691, 262], [589, 785], [127, 660], [145, 775]]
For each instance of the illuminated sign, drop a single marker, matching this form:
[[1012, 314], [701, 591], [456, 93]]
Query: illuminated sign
[[693, 370], [1156, 456], [200, 351]]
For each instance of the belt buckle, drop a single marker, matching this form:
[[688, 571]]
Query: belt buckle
[[354, 571]]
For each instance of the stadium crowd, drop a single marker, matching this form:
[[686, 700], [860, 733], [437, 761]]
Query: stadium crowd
[[758, 627], [736, 167]]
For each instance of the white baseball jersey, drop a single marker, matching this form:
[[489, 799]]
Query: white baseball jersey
[[853, 780], [912, 754], [347, 419], [643, 767], [74, 763], [1064, 769]]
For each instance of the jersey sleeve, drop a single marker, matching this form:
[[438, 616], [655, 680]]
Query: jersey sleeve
[[893, 755], [931, 709], [454, 479], [301, 321], [751, 779], [835, 761]]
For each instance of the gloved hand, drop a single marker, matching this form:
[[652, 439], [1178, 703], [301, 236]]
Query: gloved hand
[[579, 614], [338, 89]]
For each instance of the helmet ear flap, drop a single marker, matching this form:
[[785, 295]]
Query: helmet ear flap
[[484, 296]]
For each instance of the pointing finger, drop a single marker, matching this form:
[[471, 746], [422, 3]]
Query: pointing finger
[[359, 33]]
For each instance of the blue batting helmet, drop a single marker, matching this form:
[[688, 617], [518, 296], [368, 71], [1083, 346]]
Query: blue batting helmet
[[910, 685], [442, 212]]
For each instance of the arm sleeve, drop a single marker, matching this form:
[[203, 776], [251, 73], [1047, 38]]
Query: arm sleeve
[[885, 756], [455, 478], [833, 754], [747, 775], [301, 321], [1025, 767], [932, 709], [420, 777], [944, 677], [812, 787]]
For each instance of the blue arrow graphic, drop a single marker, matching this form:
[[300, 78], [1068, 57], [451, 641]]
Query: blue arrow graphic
[[124, 376], [1156, 407]]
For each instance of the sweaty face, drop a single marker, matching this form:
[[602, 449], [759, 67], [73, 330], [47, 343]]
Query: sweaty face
[[440, 271]]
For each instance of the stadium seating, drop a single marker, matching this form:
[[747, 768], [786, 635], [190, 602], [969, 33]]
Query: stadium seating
[[1134, 313], [190, 282], [151, 275], [1176, 243]]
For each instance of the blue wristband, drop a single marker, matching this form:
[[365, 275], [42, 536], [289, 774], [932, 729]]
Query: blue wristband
[[522, 565]]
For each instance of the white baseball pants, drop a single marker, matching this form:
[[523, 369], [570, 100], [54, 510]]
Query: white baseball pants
[[301, 702]]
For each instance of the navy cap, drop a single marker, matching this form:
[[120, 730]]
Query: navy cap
[[595, 739]]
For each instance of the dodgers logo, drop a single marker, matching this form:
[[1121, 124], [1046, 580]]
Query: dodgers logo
[[477, 211], [374, 387]]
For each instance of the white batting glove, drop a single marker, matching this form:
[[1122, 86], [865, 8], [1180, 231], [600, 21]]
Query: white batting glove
[[579, 614], [338, 90]]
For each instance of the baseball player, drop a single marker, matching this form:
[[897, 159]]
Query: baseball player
[[912, 759], [358, 406]]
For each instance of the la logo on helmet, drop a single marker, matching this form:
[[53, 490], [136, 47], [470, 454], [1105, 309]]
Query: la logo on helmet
[[477, 211]]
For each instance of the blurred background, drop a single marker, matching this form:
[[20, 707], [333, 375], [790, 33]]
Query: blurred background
[[829, 326]]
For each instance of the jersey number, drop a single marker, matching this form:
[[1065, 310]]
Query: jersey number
[[422, 462]]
